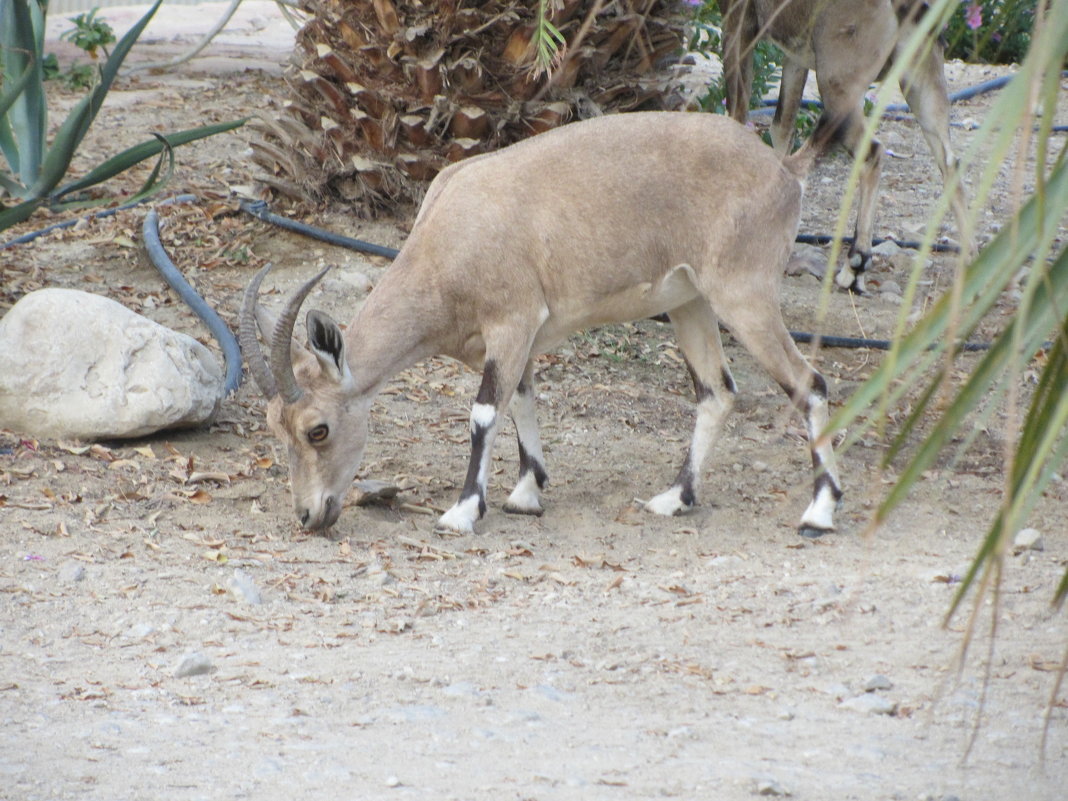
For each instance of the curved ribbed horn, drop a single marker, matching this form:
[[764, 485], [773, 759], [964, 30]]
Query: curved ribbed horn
[[281, 339], [250, 344]]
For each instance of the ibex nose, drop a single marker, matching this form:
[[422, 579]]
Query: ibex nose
[[327, 515]]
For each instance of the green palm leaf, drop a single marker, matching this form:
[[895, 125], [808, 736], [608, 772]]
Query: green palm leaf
[[1028, 244]]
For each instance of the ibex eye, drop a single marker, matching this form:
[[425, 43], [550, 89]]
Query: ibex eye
[[319, 433]]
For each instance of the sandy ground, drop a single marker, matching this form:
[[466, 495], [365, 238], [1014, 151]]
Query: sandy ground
[[166, 630]]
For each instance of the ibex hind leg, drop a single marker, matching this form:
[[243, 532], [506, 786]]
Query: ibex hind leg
[[526, 497], [772, 346], [697, 330]]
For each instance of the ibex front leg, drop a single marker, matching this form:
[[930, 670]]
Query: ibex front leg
[[507, 354], [485, 417]]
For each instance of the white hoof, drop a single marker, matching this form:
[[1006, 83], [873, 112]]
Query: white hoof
[[819, 516], [461, 518], [524, 499], [668, 503], [845, 278]]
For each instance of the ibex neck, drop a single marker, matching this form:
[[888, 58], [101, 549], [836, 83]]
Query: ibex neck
[[394, 329]]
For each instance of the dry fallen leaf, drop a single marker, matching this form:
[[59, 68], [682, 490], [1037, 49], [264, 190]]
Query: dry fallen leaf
[[1049, 665]]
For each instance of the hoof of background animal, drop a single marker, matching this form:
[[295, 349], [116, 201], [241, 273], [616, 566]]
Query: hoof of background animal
[[668, 504], [812, 532], [850, 281]]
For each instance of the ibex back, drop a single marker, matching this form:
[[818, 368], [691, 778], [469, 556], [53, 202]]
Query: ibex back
[[597, 222], [849, 44]]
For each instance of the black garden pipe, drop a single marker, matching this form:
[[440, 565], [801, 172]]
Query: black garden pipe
[[162, 262], [258, 209], [97, 215]]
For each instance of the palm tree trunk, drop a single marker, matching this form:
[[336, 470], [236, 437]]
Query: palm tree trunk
[[382, 94]]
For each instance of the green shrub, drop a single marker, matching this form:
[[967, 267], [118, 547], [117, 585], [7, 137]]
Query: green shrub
[[34, 165], [990, 31]]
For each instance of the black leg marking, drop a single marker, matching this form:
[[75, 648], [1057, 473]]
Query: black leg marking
[[728, 382], [488, 393], [685, 483], [489, 390], [528, 464]]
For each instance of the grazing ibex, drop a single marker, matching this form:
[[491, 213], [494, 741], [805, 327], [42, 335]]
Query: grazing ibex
[[849, 44], [603, 221]]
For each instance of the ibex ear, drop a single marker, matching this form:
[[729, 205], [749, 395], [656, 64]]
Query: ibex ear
[[328, 345]]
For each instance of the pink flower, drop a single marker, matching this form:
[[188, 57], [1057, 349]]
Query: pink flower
[[973, 16]]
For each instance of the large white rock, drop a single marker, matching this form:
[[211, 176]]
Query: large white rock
[[73, 364]]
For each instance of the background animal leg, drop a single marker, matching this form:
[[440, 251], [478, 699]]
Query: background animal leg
[[791, 89], [925, 90], [740, 31], [851, 276]]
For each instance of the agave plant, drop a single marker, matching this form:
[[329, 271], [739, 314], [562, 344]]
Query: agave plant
[[1031, 244], [35, 168]]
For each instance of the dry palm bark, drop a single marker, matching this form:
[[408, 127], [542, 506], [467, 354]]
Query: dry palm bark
[[383, 93]]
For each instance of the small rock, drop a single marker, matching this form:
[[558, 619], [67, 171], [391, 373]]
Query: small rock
[[870, 704], [462, 688], [1028, 539], [887, 249], [807, 259], [393, 781], [552, 693], [194, 664], [878, 682], [768, 787], [724, 560], [893, 287], [374, 492], [356, 280], [71, 572], [902, 262], [243, 587], [140, 631]]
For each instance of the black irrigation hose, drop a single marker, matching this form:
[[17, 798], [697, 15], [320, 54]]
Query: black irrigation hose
[[825, 239], [258, 209], [896, 109], [231, 350], [94, 216], [875, 344]]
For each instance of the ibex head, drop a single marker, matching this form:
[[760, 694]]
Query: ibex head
[[312, 403]]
